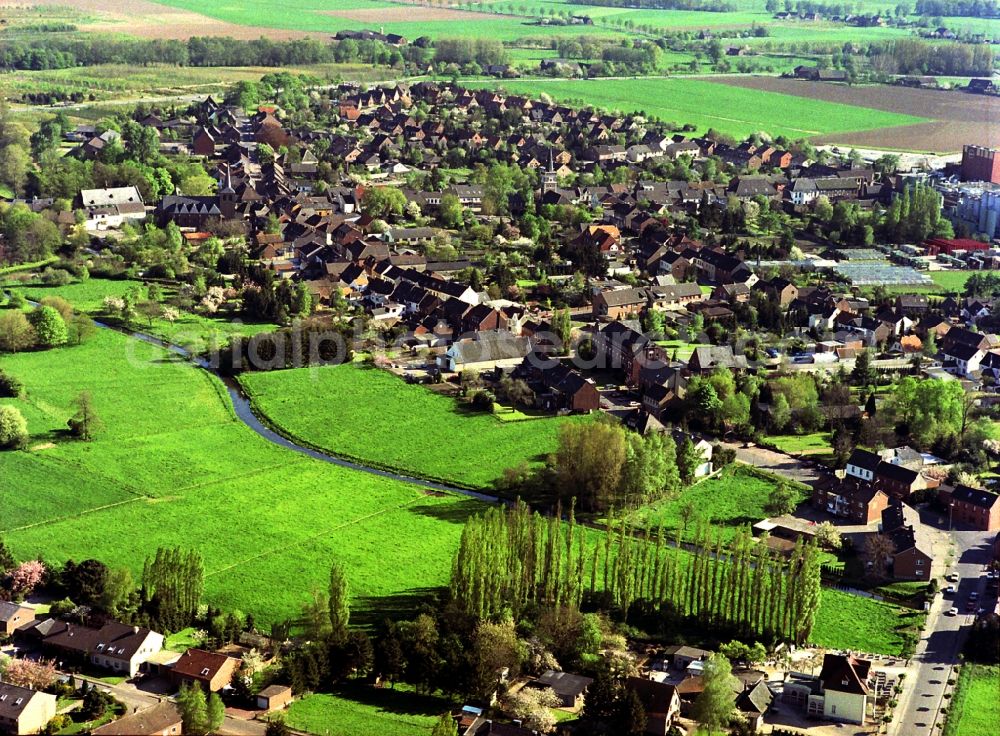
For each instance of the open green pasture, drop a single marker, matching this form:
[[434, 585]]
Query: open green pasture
[[374, 417], [173, 467], [733, 498], [731, 110]]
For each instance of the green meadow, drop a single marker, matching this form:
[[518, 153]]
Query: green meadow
[[374, 417], [731, 110], [733, 498], [846, 621], [313, 15], [356, 710], [174, 467], [975, 708]]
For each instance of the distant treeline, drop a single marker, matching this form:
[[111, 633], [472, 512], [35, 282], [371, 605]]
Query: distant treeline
[[61, 53], [706, 6], [910, 56], [964, 8]]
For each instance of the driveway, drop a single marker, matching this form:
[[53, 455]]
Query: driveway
[[937, 651]]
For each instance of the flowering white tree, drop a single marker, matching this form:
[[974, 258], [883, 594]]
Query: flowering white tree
[[170, 314], [534, 706], [214, 299]]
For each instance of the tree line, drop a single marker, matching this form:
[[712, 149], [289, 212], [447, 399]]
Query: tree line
[[706, 6], [63, 52], [510, 560]]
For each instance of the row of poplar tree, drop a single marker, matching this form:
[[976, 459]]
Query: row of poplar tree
[[511, 558]]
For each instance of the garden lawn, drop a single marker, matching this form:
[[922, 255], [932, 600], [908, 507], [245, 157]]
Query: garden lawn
[[802, 444], [732, 110], [975, 707], [374, 417], [174, 467], [846, 621], [358, 711], [729, 500]]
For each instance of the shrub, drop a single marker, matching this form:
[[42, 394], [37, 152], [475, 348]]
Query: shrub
[[13, 428], [56, 277], [10, 386], [482, 400]]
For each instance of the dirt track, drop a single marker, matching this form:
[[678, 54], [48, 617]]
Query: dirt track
[[146, 19], [958, 118]]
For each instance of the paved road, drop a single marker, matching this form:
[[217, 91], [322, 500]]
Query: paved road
[[937, 651]]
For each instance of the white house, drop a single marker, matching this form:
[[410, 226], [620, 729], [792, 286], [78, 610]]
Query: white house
[[862, 465], [24, 711], [111, 208]]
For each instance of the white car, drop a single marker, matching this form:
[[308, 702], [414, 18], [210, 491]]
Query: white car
[[951, 577], [950, 590], [953, 611]]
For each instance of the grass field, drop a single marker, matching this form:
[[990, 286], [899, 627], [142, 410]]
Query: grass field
[[729, 500], [945, 282], [805, 444], [846, 621], [373, 416], [359, 711], [975, 708], [315, 15], [173, 466], [732, 110], [195, 331]]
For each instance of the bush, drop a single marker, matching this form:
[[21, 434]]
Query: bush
[[10, 387], [13, 429], [482, 400], [56, 277], [16, 333]]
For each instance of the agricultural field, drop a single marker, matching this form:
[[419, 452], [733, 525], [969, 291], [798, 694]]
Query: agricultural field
[[975, 708], [357, 710], [733, 498], [736, 111], [846, 621], [173, 466], [374, 417], [405, 19], [951, 118], [945, 282]]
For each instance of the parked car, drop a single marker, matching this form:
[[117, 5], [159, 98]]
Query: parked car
[[950, 590], [974, 595], [951, 577], [952, 611], [970, 605]]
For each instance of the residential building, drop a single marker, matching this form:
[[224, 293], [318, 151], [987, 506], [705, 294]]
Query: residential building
[[163, 719], [840, 693], [485, 351], [114, 646], [209, 670], [569, 688], [660, 701], [13, 616], [975, 508], [24, 711], [111, 208]]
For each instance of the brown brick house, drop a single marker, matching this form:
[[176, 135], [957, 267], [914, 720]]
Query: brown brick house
[[13, 615], [975, 508], [210, 670], [849, 498]]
